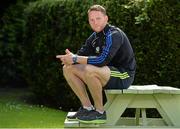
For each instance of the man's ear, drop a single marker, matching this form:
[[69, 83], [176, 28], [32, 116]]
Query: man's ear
[[107, 18]]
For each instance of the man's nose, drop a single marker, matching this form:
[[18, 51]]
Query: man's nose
[[95, 22]]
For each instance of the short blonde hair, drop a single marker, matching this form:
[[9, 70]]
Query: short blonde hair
[[97, 8]]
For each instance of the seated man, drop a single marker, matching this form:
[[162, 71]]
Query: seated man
[[105, 61]]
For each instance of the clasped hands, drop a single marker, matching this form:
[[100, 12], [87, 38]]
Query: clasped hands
[[67, 58]]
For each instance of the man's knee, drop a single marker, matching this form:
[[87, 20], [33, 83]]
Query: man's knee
[[89, 72], [86, 71], [71, 69], [67, 69]]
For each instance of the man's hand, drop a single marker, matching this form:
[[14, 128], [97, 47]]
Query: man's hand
[[67, 58]]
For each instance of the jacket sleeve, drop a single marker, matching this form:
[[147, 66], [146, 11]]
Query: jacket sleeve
[[114, 40]]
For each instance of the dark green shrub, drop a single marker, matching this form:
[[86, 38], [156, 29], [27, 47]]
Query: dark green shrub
[[11, 31], [51, 27], [156, 43]]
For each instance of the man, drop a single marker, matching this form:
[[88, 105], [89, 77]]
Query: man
[[105, 61]]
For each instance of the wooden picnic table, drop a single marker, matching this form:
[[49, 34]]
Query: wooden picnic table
[[165, 99]]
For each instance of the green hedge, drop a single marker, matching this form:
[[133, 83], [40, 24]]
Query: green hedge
[[51, 26], [11, 32], [156, 40]]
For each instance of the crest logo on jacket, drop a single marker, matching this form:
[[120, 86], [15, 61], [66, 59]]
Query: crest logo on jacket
[[97, 49]]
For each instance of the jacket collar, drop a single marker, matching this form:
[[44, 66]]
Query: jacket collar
[[104, 31]]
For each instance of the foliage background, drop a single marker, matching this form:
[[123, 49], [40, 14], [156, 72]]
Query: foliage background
[[32, 34]]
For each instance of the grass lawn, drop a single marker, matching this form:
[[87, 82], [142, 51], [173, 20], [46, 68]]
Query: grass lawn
[[16, 113]]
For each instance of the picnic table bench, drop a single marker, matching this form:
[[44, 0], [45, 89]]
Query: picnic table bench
[[165, 99]]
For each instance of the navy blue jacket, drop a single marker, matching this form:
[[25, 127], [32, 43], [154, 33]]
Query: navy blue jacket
[[109, 47]]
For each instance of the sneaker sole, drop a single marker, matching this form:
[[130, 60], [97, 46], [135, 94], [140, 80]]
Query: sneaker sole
[[92, 121], [72, 119]]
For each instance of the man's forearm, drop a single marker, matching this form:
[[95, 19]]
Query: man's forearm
[[82, 59]]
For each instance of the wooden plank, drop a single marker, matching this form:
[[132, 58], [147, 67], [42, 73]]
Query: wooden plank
[[142, 101], [112, 91], [126, 122], [167, 90], [144, 121], [172, 90], [137, 116], [117, 108], [171, 106], [110, 99], [146, 89], [151, 122], [163, 114]]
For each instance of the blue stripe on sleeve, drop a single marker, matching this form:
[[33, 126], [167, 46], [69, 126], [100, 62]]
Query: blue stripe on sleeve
[[105, 52]]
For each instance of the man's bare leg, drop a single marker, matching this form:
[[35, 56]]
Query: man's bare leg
[[96, 79], [74, 76]]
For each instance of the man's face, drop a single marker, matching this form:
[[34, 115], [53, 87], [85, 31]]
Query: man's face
[[97, 20]]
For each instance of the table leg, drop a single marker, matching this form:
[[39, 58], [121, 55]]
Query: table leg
[[117, 107], [169, 108], [137, 115]]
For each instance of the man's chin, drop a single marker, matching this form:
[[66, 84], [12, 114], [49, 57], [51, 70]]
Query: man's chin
[[97, 30]]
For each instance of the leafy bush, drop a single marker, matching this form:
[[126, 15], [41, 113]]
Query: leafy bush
[[156, 43], [50, 29], [11, 31]]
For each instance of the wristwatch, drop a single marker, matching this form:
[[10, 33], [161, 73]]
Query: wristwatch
[[74, 58]]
